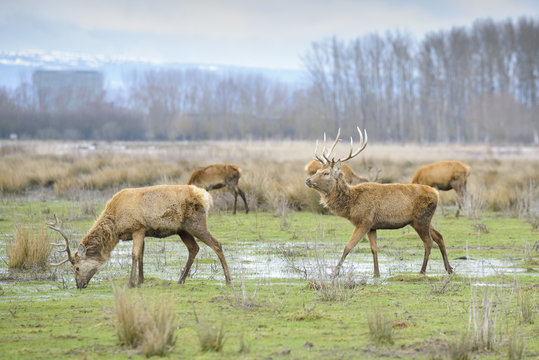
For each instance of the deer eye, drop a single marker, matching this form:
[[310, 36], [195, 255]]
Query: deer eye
[[77, 268]]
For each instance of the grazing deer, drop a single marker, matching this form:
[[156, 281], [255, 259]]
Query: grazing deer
[[445, 175], [132, 214], [217, 176], [373, 206]]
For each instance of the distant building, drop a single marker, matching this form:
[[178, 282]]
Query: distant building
[[60, 90]]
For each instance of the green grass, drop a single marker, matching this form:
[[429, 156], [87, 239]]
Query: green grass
[[57, 323], [287, 319]]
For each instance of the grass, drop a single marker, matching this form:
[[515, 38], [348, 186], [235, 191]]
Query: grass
[[515, 349], [527, 307], [80, 323], [138, 325], [28, 249], [263, 315], [210, 336], [380, 327], [460, 349], [272, 177]]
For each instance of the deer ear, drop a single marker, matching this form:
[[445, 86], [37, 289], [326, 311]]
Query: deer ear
[[82, 251]]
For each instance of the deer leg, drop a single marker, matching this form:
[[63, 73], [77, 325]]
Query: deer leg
[[242, 194], [192, 247], [136, 255], [424, 234], [460, 189], [438, 239], [235, 201], [374, 249], [440, 202], [207, 238], [140, 266], [357, 235]]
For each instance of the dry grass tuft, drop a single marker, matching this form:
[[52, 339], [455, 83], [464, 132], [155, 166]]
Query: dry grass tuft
[[240, 298], [515, 348], [526, 307], [139, 325], [380, 327], [460, 349], [210, 336], [27, 250]]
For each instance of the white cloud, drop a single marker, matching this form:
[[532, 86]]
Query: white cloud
[[241, 32]]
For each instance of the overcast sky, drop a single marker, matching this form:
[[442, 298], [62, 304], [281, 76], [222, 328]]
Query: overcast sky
[[270, 34]]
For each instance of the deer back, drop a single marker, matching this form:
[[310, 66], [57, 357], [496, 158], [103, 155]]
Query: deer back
[[383, 206], [441, 173], [215, 174]]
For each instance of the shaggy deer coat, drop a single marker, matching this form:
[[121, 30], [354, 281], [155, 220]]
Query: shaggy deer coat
[[132, 214]]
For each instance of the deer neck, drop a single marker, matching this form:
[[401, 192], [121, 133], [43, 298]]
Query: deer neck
[[338, 200], [101, 239]]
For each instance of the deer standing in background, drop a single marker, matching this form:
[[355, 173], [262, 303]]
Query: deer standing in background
[[348, 174], [373, 206], [217, 176], [445, 175], [132, 214]]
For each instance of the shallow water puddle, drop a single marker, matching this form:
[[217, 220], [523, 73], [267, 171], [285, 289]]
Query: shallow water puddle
[[265, 260], [293, 261]]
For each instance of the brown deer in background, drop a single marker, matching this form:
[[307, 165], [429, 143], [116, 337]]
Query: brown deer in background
[[132, 214], [373, 206], [445, 175], [348, 174], [217, 176]]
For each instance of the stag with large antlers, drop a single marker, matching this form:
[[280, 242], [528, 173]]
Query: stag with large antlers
[[132, 214], [373, 206]]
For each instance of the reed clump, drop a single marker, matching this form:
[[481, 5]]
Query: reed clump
[[380, 327], [28, 249], [140, 325]]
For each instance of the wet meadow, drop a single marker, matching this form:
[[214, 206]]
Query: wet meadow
[[283, 302]]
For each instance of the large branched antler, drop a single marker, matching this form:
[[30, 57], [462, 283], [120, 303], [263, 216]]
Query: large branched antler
[[56, 227], [324, 157], [362, 146]]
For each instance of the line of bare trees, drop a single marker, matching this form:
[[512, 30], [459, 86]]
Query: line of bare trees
[[466, 84]]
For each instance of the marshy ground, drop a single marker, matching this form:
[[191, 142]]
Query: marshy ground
[[282, 303]]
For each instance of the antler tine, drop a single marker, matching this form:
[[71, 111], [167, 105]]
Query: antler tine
[[324, 147], [362, 145], [334, 144], [60, 263], [55, 226], [316, 156]]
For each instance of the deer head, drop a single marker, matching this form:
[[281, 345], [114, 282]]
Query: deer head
[[326, 177], [83, 267]]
